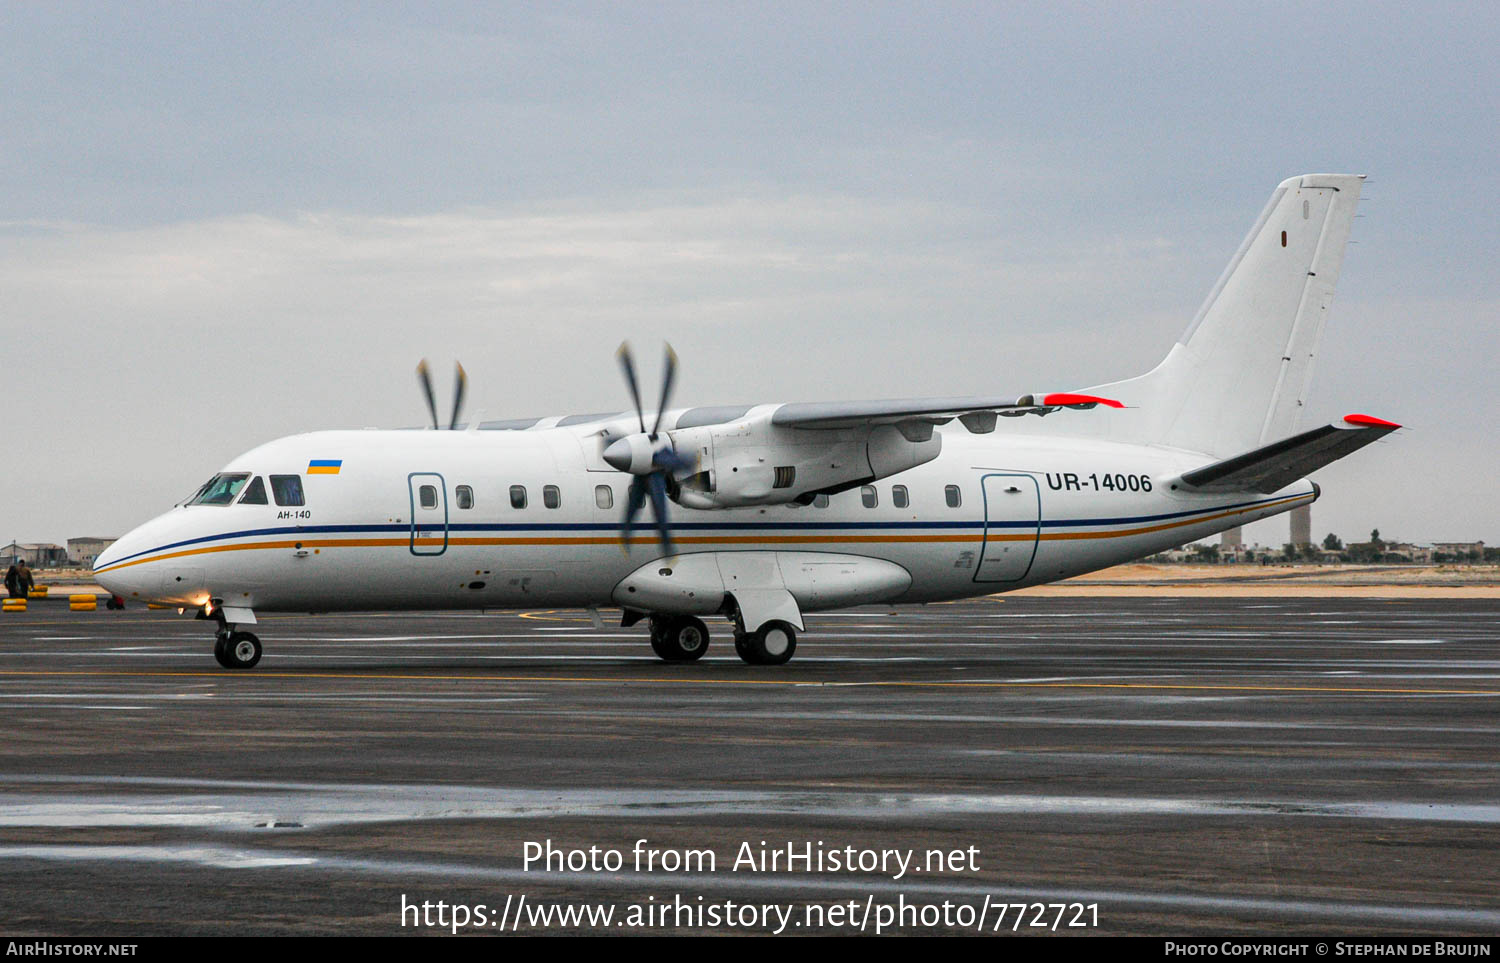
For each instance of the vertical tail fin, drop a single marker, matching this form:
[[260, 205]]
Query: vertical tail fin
[[1238, 378]]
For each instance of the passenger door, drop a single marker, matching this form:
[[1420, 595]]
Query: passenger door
[[429, 513], [1012, 521]]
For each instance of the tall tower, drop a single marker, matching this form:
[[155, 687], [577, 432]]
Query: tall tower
[[1233, 538], [1301, 525]]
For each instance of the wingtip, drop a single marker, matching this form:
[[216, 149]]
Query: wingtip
[[1068, 398], [1369, 421]]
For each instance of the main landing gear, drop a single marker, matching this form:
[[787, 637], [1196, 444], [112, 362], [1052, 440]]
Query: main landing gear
[[772, 644], [683, 638], [678, 638]]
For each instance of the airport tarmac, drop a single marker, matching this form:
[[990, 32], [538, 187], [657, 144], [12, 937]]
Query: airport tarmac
[[1188, 765]]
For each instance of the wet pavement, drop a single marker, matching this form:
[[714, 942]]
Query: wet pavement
[[1254, 765]]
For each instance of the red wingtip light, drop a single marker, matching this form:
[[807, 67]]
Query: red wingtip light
[[1063, 398], [1370, 420]]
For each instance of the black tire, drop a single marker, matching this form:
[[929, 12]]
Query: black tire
[[221, 650], [659, 637], [742, 647], [680, 639], [241, 651], [772, 644]]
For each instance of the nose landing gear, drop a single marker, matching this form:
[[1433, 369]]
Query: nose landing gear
[[233, 647], [236, 650]]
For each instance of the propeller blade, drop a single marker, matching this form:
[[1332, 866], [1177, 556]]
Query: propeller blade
[[627, 364], [659, 509], [425, 377], [668, 375], [635, 499], [668, 459], [460, 385]]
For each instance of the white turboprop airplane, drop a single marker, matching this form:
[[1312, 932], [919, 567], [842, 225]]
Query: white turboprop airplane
[[784, 508]]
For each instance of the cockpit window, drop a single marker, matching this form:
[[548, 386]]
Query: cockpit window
[[287, 489], [220, 489], [255, 492]]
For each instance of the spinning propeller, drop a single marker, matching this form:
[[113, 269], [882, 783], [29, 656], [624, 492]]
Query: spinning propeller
[[460, 385], [649, 455]]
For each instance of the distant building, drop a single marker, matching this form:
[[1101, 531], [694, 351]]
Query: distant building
[[1301, 526], [1391, 552], [1232, 538], [35, 554], [1457, 551], [83, 551]]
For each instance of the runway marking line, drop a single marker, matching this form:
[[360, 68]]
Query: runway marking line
[[429, 677]]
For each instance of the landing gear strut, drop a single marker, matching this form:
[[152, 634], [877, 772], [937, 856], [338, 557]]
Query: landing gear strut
[[236, 650], [679, 638]]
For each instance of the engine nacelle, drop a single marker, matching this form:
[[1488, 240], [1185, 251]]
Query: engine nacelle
[[753, 462]]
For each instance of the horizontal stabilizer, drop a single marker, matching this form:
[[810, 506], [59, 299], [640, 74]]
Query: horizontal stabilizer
[[1272, 467]]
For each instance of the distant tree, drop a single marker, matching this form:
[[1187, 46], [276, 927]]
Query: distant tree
[[1333, 543], [1206, 553], [1289, 552]]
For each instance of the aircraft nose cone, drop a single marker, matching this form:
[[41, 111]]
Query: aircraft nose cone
[[114, 582], [128, 580]]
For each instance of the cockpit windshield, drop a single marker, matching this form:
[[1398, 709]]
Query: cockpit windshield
[[220, 489]]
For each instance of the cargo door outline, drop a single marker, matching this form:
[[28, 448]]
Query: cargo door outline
[[428, 523], [1002, 517]]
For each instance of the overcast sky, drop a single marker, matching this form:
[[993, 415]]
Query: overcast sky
[[223, 223]]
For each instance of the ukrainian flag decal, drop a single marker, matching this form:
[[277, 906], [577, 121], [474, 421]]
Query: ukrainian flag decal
[[324, 466]]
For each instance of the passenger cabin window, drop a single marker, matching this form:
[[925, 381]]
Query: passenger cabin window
[[427, 496], [953, 497], [255, 492], [220, 489], [604, 496], [899, 497], [464, 496], [551, 497], [518, 496], [287, 490], [868, 497]]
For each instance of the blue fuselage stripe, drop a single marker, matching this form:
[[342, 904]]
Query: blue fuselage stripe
[[725, 526]]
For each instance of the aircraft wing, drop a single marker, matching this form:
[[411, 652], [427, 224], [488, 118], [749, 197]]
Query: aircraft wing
[[977, 413], [1272, 467]]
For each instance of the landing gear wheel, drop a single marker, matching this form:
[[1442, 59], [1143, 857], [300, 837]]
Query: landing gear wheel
[[238, 650], [679, 639], [773, 644]]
